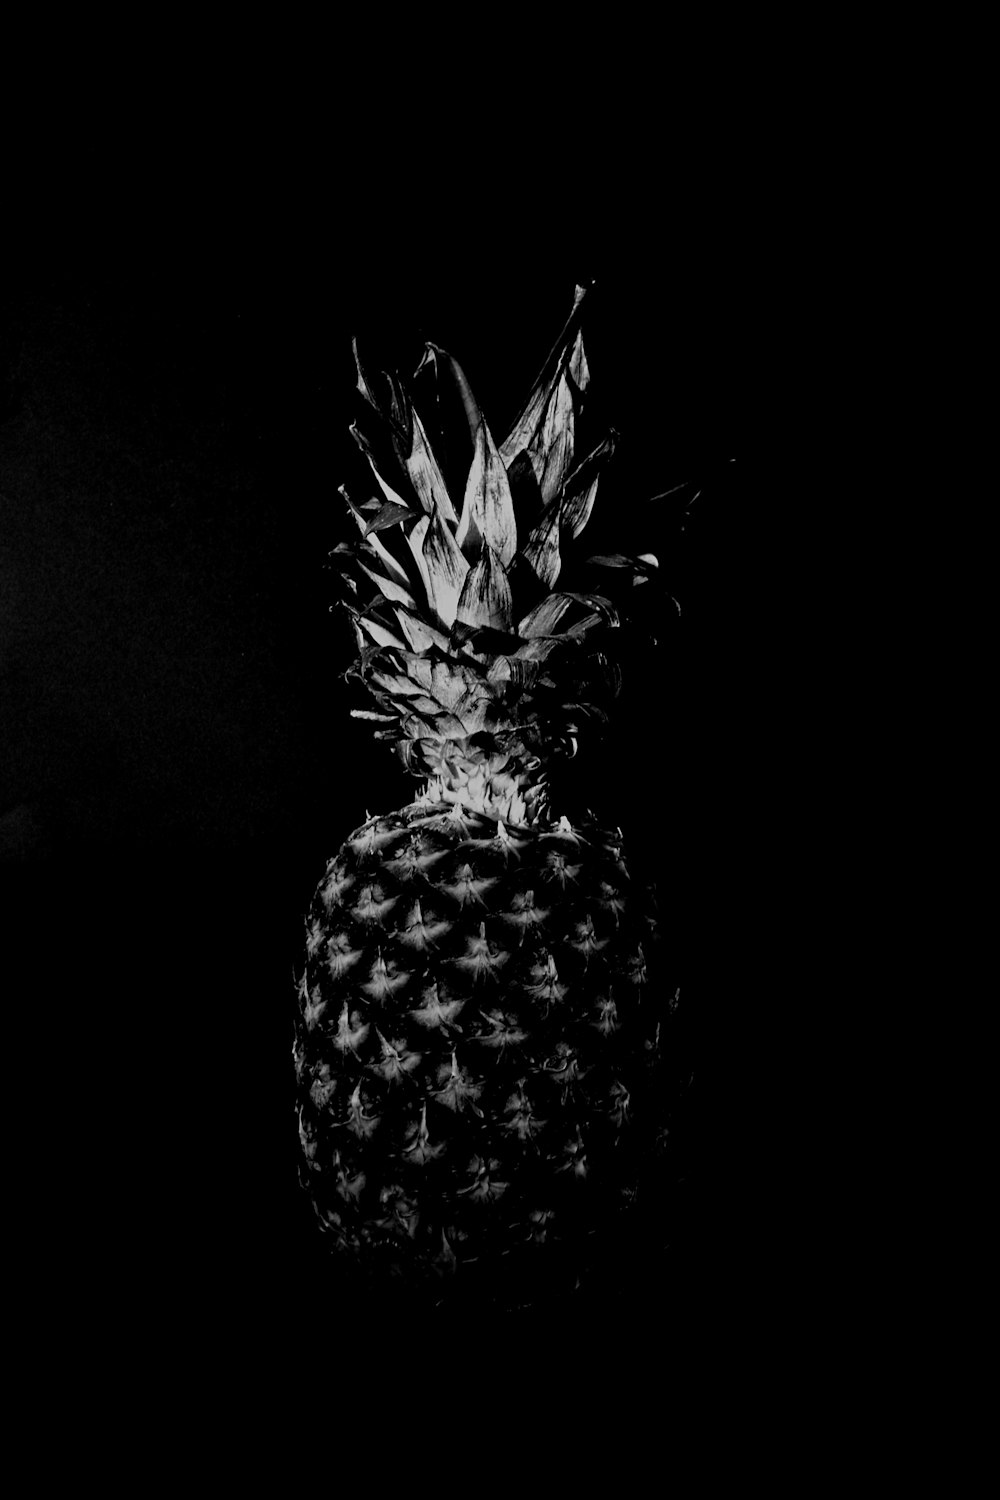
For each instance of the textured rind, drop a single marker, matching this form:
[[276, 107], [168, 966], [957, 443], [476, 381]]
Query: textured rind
[[477, 1048]]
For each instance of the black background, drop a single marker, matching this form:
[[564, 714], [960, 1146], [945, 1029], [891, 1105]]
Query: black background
[[177, 757]]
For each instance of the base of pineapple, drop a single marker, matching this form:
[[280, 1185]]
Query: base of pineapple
[[595, 1267]]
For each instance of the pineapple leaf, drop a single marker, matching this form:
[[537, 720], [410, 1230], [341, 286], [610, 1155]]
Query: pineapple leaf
[[586, 625], [396, 417], [433, 354], [644, 566], [508, 669], [685, 493], [425, 473], [600, 603], [363, 383], [551, 452], [474, 708], [400, 414], [486, 597], [525, 430], [421, 704], [381, 459], [488, 507], [440, 725], [545, 616], [388, 515], [389, 588], [525, 491], [483, 640], [420, 635], [442, 396], [419, 670], [441, 564], [396, 683], [577, 509], [541, 550], [580, 488], [540, 647], [392, 567], [379, 634], [450, 681]]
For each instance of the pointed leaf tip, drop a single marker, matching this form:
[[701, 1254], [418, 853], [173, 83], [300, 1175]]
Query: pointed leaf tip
[[488, 509], [545, 428], [541, 550], [441, 565], [388, 515], [486, 599], [363, 385], [425, 473]]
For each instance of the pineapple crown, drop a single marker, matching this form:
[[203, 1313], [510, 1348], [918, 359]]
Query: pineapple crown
[[471, 651]]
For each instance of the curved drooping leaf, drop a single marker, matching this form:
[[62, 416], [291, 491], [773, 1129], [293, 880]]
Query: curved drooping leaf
[[543, 619], [540, 647], [508, 669], [600, 603], [589, 623], [646, 564]]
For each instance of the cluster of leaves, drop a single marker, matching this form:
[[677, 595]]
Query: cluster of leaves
[[471, 617]]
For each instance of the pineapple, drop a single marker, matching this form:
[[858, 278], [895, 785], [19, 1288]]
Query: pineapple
[[481, 1030]]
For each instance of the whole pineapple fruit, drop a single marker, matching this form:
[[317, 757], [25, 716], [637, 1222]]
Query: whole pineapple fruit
[[481, 1029]]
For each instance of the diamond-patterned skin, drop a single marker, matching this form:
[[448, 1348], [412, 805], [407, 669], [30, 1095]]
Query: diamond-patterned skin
[[477, 1048]]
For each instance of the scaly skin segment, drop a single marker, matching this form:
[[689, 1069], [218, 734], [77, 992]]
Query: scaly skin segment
[[475, 1036]]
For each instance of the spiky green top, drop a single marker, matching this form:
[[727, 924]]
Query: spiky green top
[[482, 668]]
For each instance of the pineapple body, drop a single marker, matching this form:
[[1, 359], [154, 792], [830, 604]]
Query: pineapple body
[[476, 1050]]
